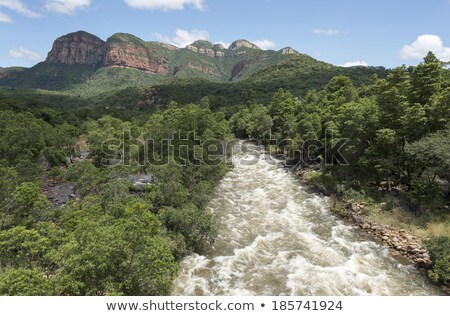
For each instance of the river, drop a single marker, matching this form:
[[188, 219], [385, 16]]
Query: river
[[278, 238]]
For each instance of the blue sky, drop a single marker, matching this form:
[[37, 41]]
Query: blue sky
[[372, 32]]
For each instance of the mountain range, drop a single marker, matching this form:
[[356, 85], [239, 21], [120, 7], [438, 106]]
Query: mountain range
[[83, 65]]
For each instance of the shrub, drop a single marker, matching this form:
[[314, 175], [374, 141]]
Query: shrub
[[196, 225], [439, 248]]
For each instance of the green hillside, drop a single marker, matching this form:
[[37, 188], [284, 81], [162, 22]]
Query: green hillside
[[188, 74]]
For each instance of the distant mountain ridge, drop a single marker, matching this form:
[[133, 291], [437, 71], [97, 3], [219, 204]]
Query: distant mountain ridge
[[129, 51], [124, 71]]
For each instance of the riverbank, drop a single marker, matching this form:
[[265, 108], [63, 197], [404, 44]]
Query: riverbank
[[401, 242]]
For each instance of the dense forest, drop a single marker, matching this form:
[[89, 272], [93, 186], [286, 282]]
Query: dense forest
[[114, 237]]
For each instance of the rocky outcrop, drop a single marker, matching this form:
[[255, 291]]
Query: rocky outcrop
[[192, 48], [242, 44], [168, 46], [82, 48], [288, 51], [142, 58], [79, 48], [206, 48], [218, 47], [203, 44], [208, 52], [128, 51]]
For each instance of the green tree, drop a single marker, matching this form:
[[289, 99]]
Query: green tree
[[438, 110], [340, 90], [8, 183], [427, 79], [22, 248], [381, 157], [358, 122], [127, 256], [28, 206], [282, 109], [22, 136], [196, 225], [439, 249], [393, 97], [24, 282], [430, 156]]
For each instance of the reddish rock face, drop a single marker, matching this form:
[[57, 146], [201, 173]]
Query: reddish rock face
[[78, 48], [135, 57], [82, 48]]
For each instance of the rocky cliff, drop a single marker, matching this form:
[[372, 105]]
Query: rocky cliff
[[123, 50], [242, 44], [82, 48], [288, 51], [78, 48]]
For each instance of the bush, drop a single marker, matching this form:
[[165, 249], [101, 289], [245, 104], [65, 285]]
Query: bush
[[429, 195], [23, 282], [439, 249], [54, 156], [196, 225]]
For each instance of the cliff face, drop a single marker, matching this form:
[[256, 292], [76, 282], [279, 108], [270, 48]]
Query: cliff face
[[121, 55], [242, 44], [129, 51], [77, 48], [82, 48]]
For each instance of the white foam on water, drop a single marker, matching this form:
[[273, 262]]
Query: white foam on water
[[275, 238]]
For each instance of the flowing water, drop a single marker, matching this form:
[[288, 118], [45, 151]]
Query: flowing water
[[276, 238]]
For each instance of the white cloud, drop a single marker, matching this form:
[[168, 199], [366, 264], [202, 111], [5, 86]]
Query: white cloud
[[164, 5], [327, 32], [422, 45], [5, 18], [66, 6], [183, 37], [265, 44], [18, 6], [355, 63], [25, 53]]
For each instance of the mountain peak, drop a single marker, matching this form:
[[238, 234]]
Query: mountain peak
[[242, 43], [125, 38], [77, 48], [203, 44], [288, 51]]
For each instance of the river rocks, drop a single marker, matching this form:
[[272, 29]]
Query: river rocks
[[399, 241], [357, 208]]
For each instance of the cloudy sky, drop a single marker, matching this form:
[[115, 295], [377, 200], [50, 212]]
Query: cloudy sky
[[344, 32]]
